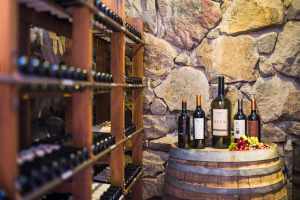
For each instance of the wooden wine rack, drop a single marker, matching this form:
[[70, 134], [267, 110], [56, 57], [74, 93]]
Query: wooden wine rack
[[76, 22]]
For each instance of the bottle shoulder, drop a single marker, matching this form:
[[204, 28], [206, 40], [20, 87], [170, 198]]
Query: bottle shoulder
[[240, 117], [253, 116]]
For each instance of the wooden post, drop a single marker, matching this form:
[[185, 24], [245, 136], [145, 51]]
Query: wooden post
[[138, 99], [117, 160], [82, 102], [9, 98]]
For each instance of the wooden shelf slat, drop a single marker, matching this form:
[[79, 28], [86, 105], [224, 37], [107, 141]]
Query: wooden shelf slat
[[18, 79]]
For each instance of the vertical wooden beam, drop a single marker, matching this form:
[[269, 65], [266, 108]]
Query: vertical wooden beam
[[138, 70], [9, 98], [117, 160], [138, 99], [82, 102]]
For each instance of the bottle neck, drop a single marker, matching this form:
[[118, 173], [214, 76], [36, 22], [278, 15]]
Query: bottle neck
[[198, 102], [221, 91], [253, 105], [184, 107], [240, 106]]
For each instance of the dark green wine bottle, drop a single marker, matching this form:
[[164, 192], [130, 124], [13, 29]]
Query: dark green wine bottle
[[220, 112], [184, 127]]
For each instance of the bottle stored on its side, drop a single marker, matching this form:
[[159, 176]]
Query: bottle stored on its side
[[253, 123], [239, 124], [220, 112], [183, 127], [198, 138]]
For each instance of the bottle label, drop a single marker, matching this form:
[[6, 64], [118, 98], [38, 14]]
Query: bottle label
[[220, 122], [253, 128], [239, 128], [199, 128]]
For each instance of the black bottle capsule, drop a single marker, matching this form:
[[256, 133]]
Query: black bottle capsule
[[22, 63], [33, 66], [54, 68]]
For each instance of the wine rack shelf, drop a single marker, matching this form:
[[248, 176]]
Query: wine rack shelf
[[83, 24], [60, 84], [56, 182]]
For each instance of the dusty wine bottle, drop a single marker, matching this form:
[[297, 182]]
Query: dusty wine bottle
[[183, 127], [220, 112], [253, 122], [198, 137], [239, 124]]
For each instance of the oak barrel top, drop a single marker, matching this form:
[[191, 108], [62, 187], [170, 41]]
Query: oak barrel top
[[224, 155]]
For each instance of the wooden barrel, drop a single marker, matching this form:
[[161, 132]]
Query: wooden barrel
[[296, 171], [215, 174]]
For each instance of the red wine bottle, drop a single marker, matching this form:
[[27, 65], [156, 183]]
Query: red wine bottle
[[253, 122], [239, 124], [198, 139], [184, 127]]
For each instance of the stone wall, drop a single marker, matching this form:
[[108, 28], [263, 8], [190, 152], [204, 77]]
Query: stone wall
[[255, 44]]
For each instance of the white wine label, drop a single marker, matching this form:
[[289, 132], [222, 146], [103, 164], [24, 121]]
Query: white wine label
[[220, 122], [199, 128], [239, 127]]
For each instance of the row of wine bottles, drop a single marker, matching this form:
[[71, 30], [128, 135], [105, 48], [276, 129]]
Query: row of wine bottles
[[112, 193], [131, 171], [108, 12], [36, 67], [133, 80], [59, 139], [102, 141], [114, 16], [102, 77], [220, 122], [43, 163]]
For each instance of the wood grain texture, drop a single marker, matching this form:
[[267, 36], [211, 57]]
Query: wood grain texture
[[191, 179], [9, 98], [117, 161], [81, 110], [118, 107]]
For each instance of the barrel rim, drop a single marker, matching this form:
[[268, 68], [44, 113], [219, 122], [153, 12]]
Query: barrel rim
[[217, 155], [192, 187], [266, 170]]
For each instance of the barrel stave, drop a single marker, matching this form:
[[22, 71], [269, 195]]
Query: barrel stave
[[214, 179]]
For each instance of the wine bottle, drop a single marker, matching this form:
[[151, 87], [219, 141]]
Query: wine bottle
[[183, 127], [22, 64], [239, 124], [33, 66], [198, 140], [253, 122], [220, 112]]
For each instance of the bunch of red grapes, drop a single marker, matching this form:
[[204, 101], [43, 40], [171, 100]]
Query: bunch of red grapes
[[247, 143]]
